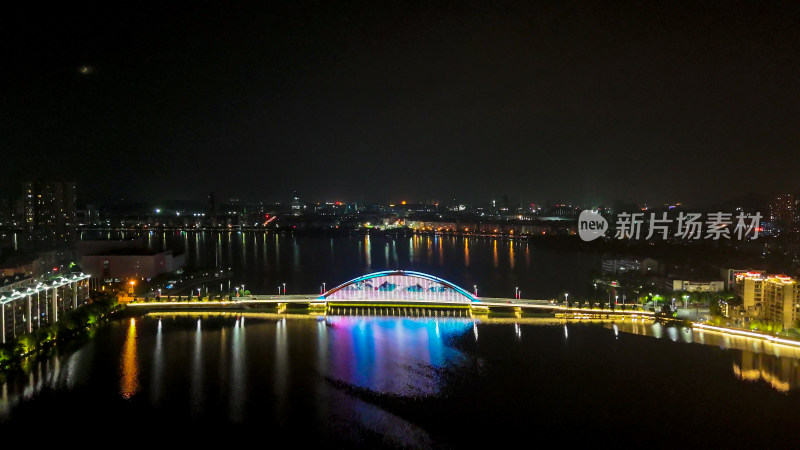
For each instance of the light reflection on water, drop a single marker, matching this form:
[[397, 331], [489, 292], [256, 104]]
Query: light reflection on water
[[158, 366], [295, 366], [238, 372], [262, 261], [129, 379], [46, 374], [391, 355], [196, 379], [776, 364]]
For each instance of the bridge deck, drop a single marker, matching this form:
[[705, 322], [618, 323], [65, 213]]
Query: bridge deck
[[485, 304]]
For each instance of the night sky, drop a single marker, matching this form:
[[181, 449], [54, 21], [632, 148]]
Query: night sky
[[389, 100]]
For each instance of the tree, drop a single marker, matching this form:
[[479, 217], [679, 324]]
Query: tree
[[714, 308], [26, 343], [5, 355]]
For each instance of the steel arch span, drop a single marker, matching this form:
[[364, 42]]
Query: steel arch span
[[399, 285]]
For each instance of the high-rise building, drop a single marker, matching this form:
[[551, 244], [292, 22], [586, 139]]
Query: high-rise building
[[729, 275], [781, 300], [297, 206], [784, 211], [213, 209], [775, 298], [49, 212], [750, 288], [6, 213]]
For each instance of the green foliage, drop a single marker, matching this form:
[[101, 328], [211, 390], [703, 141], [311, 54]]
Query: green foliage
[[766, 326], [714, 308], [26, 343], [74, 322], [6, 355]]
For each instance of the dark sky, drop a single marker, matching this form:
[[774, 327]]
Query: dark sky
[[560, 101]]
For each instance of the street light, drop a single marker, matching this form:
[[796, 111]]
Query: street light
[[566, 298], [284, 288], [476, 289]]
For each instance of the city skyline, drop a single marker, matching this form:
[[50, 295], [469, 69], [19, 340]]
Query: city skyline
[[13, 201], [585, 104]]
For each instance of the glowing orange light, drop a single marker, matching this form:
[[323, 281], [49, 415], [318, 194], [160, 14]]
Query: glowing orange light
[[403, 202]]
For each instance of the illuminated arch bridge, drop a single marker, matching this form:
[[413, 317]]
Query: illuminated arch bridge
[[399, 285]]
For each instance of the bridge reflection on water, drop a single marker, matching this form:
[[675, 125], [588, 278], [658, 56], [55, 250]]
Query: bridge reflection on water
[[221, 359]]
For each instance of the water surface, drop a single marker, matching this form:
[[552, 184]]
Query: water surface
[[418, 382]]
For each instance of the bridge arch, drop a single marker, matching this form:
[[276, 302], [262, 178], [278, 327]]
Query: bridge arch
[[399, 285]]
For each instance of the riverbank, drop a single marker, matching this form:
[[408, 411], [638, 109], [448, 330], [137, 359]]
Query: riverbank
[[750, 334], [74, 324]]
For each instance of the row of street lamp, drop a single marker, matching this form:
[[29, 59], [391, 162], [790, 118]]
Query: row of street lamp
[[517, 292], [282, 290]]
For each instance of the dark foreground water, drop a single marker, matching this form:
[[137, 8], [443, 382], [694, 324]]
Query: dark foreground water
[[395, 381]]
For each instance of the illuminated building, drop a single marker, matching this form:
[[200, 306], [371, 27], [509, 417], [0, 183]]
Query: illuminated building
[[729, 275], [24, 307], [49, 212], [750, 288], [784, 211], [781, 300], [213, 210], [618, 266], [775, 298], [122, 264], [297, 206], [698, 286]]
